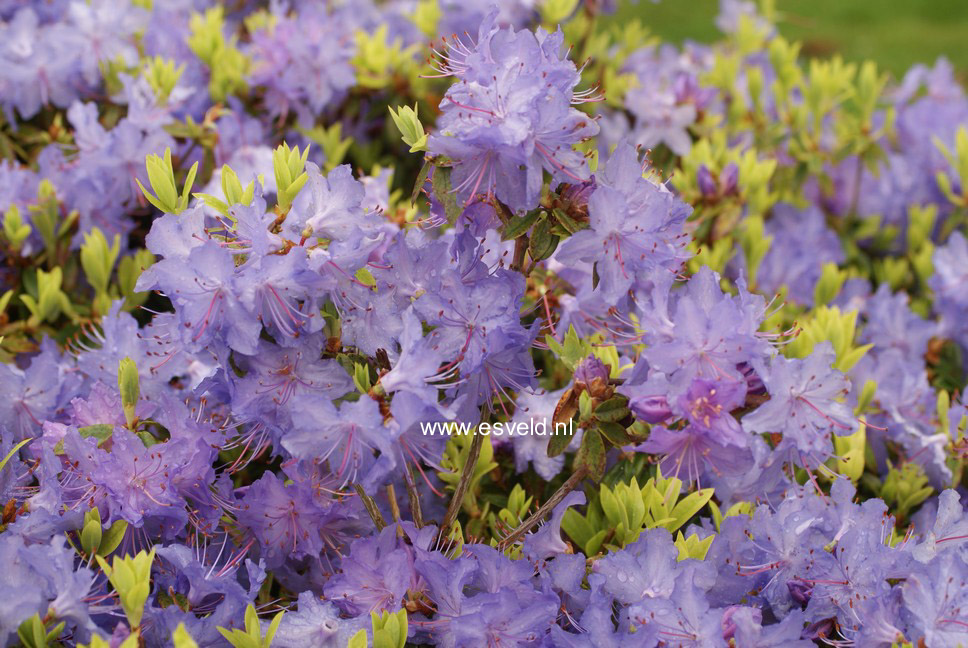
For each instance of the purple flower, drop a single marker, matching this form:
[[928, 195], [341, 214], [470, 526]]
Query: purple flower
[[636, 228], [746, 629], [509, 116], [332, 207], [691, 452], [212, 579], [709, 334], [684, 616], [949, 530], [202, 289], [804, 403], [802, 244], [643, 569], [346, 438], [950, 285], [596, 628], [934, 602], [277, 377], [533, 410], [303, 62], [375, 576], [291, 522], [707, 405], [315, 623], [31, 395], [41, 579], [892, 325], [546, 542], [590, 370]]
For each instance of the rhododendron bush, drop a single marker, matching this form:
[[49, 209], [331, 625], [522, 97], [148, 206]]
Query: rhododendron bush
[[431, 322]]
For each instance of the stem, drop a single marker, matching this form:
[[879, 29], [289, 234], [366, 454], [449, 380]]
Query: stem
[[544, 509], [465, 480], [520, 250], [415, 511], [855, 198], [371, 508], [394, 508]]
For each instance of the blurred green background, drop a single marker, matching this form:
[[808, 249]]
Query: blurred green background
[[894, 33]]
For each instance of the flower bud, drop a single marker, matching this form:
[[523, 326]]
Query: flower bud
[[800, 590], [651, 409], [728, 179], [707, 183], [729, 626], [591, 375]]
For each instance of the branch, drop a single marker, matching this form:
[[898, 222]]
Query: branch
[[465, 479], [371, 508], [544, 509], [520, 250], [415, 511]]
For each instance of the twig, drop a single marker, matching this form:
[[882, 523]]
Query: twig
[[520, 250], [544, 509], [415, 511], [370, 505], [394, 508], [465, 479]]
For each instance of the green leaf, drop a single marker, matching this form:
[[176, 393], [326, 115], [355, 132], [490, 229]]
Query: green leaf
[[418, 185], [32, 633], [287, 167], [408, 123], [14, 451], [615, 433], [440, 182], [358, 640], [689, 506], [867, 396], [594, 543], [130, 387], [161, 177], [591, 454], [91, 532], [558, 443], [131, 577], [543, 242], [577, 527], [365, 277], [129, 270], [572, 350], [554, 12], [162, 76], [273, 627], [614, 511], [692, 547], [55, 632], [569, 224], [331, 141], [111, 539], [612, 410], [98, 259], [182, 639], [828, 286], [519, 225], [564, 413], [100, 431], [14, 229], [186, 191]]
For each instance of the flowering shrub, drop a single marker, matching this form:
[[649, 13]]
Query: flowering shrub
[[547, 335]]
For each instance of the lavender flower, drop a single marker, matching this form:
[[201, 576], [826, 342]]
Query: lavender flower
[[499, 127]]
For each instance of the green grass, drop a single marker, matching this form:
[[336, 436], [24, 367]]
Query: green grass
[[894, 33]]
